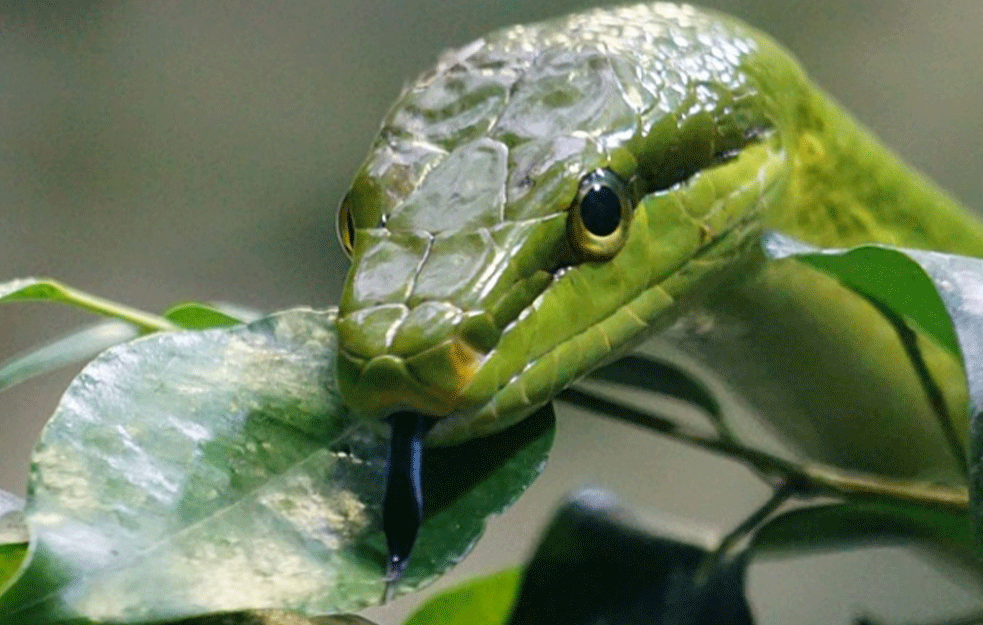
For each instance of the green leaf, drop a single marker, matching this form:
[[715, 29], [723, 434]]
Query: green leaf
[[46, 289], [197, 316], [897, 278], [75, 347], [835, 526], [189, 473], [11, 557], [482, 601], [941, 293], [466, 483], [645, 372], [597, 564], [85, 343], [24, 289]]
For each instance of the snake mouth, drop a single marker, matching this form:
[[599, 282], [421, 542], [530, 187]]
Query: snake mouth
[[428, 366], [429, 383]]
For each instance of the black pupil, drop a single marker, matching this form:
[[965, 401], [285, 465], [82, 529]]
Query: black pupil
[[350, 223], [600, 210]]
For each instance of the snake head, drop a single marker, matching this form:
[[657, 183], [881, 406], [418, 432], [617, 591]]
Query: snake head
[[434, 283], [538, 202]]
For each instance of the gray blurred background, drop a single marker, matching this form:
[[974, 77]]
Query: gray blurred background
[[156, 152]]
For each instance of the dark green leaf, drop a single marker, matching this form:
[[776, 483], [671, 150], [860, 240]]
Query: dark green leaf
[[597, 565], [860, 524], [189, 473], [466, 483], [483, 601]]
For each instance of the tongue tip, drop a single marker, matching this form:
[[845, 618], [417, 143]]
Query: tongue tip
[[399, 558], [394, 574]]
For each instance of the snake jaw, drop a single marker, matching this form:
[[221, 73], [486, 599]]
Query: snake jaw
[[447, 368], [429, 383]]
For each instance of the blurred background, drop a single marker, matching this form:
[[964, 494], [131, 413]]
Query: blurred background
[[158, 152]]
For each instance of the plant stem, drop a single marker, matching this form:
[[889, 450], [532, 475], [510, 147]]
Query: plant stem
[[729, 545], [808, 479], [146, 322]]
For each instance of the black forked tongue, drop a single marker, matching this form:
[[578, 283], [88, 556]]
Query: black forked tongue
[[402, 506]]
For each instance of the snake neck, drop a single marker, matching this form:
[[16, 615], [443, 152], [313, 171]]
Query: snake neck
[[846, 188]]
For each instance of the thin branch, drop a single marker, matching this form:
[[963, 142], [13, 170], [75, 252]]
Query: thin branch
[[731, 543], [808, 479], [146, 322]]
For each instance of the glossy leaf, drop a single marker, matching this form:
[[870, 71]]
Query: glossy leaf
[[598, 564], [466, 483], [188, 473], [897, 278], [482, 601]]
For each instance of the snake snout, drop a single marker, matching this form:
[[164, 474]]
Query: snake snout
[[422, 362]]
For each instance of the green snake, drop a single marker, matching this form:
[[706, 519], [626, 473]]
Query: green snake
[[551, 194]]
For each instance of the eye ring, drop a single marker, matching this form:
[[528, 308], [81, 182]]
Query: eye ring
[[597, 225], [346, 227]]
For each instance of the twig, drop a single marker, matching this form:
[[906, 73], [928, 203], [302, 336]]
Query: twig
[[730, 544], [807, 479], [146, 322]]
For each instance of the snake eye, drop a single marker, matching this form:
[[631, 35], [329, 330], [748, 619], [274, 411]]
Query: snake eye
[[597, 225], [346, 226]]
